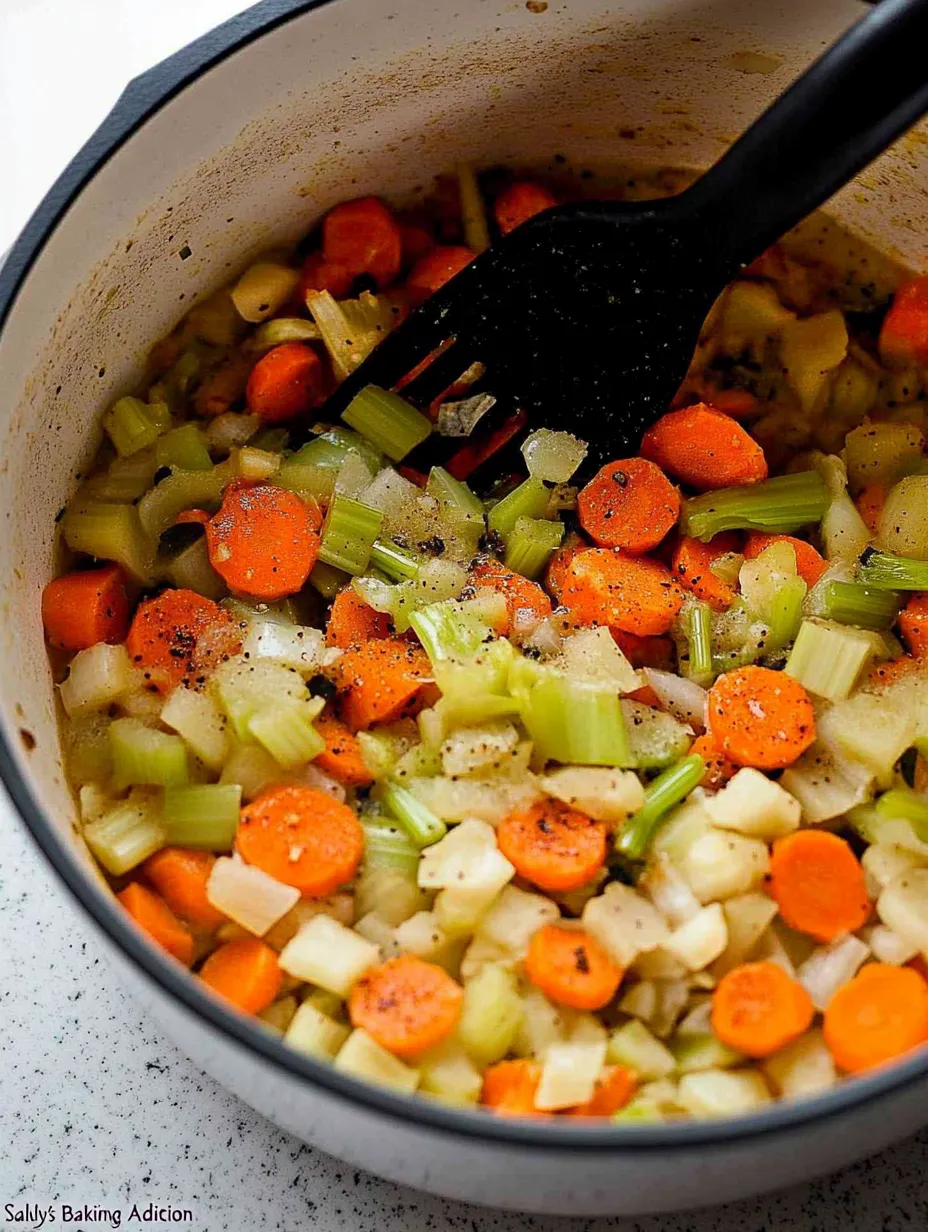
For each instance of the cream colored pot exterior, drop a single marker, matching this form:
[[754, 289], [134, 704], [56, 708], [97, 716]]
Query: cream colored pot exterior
[[244, 140]]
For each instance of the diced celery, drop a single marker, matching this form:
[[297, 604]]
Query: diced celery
[[716, 1092], [692, 1053], [144, 756], [132, 424], [388, 421], [782, 504], [528, 500], [660, 796], [397, 564], [251, 768], [419, 822], [888, 572], [491, 1014], [698, 665], [242, 688], [282, 329], [576, 723], [192, 569], [473, 209], [308, 482], [286, 730], [449, 629], [348, 535], [184, 449], [248, 895], [254, 464], [448, 1075], [328, 450], [125, 479], [910, 805], [638, 1112], [352, 328], [96, 677], [454, 495], [530, 543], [125, 836], [656, 740], [205, 815], [328, 580], [112, 532], [279, 1015], [850, 603], [633, 1046], [552, 456], [315, 1034], [159, 508], [263, 289], [827, 659]]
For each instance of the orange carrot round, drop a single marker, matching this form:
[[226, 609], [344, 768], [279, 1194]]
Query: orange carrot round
[[364, 237], [904, 333], [245, 972], [341, 756], [572, 968], [640, 651], [891, 671], [406, 1004], [553, 846], [318, 274], [718, 768], [818, 884], [379, 680], [913, 625], [286, 381], [192, 517], [704, 448], [352, 621], [483, 446], [737, 403], [870, 501], [263, 542], [810, 565], [526, 602], [435, 269], [628, 593], [163, 636], [761, 718], [758, 1009], [692, 567], [881, 1014], [628, 504], [303, 837], [614, 1088], [509, 1087], [556, 573], [180, 876], [521, 201], [417, 239], [81, 609], [155, 917]]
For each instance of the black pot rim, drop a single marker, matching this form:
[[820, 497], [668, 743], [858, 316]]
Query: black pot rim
[[143, 97]]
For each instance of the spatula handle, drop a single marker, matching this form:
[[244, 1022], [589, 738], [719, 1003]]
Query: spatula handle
[[853, 102]]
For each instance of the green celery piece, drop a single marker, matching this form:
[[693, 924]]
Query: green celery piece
[[884, 571], [530, 544], [576, 722], [389, 846], [146, 757], [698, 666], [184, 449], [388, 421], [327, 579], [660, 796], [112, 532], [454, 494], [528, 500], [132, 424], [329, 449], [448, 630], [910, 805], [419, 822], [125, 836], [867, 607], [396, 564], [782, 504], [204, 815], [348, 535], [286, 730], [827, 659]]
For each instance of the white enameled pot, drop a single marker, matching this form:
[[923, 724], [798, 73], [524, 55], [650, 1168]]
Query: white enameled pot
[[240, 141]]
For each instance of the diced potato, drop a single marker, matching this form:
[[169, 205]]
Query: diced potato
[[543, 1024], [362, 1057], [830, 966], [879, 452], [479, 750], [668, 890], [747, 917], [515, 917], [888, 946], [570, 1070], [326, 953], [672, 999], [701, 939], [754, 805], [96, 677], [420, 935], [903, 907], [624, 922], [593, 655], [751, 314], [599, 791], [640, 1000], [803, 1067], [487, 799], [720, 1093], [279, 1015], [633, 1046], [682, 828], [449, 1075], [467, 858], [719, 865], [903, 526], [263, 289], [374, 928], [810, 350], [315, 1033], [660, 964], [197, 719], [868, 729], [248, 895]]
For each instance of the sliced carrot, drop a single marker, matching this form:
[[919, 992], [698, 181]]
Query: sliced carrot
[[155, 917], [263, 542], [509, 1087], [913, 625], [526, 602], [180, 876], [379, 680], [414, 476], [553, 846], [870, 501], [657, 652], [406, 1004], [818, 884], [521, 201], [353, 622], [629, 593], [341, 756], [737, 403], [286, 381], [557, 566], [881, 1014], [904, 334], [758, 1009], [163, 636], [364, 237], [81, 609], [303, 837], [435, 269], [810, 565], [477, 451], [759, 717], [572, 968], [614, 1088], [245, 972], [718, 768], [416, 238], [197, 517], [318, 274], [692, 567], [704, 448], [629, 504]]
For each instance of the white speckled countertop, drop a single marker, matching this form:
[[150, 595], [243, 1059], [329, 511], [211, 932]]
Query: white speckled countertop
[[95, 1107]]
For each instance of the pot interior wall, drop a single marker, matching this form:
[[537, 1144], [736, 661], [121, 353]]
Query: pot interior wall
[[345, 99]]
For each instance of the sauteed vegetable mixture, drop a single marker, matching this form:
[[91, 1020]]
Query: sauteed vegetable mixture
[[482, 773]]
